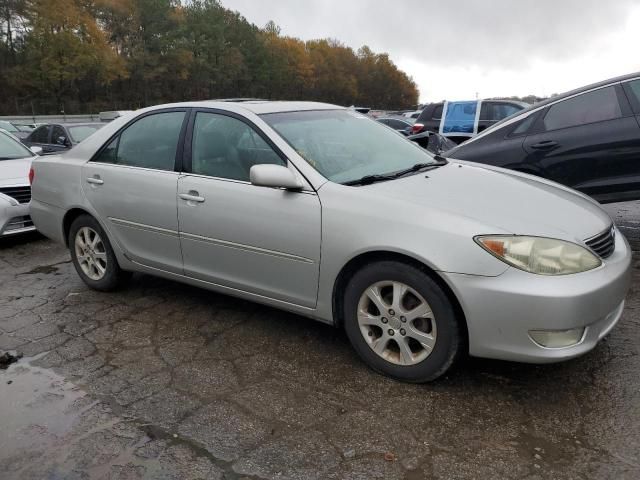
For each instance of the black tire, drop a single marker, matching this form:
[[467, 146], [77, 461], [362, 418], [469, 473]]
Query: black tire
[[114, 277], [449, 340]]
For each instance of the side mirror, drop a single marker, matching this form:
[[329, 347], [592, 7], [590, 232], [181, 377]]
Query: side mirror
[[274, 176], [36, 150], [64, 141]]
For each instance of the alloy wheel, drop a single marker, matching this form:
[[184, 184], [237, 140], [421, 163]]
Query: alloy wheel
[[397, 323], [91, 253]]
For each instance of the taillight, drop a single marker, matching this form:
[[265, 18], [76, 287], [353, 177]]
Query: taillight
[[31, 175], [417, 128]]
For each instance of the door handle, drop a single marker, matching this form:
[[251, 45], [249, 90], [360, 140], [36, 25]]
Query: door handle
[[545, 145], [95, 180], [192, 196]]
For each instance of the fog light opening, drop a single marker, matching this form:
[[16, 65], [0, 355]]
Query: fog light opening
[[557, 338]]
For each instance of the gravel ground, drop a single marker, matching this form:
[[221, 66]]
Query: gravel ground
[[163, 380]]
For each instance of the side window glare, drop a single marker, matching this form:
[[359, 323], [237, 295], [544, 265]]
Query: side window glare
[[151, 142], [225, 147]]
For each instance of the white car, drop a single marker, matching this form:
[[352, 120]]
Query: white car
[[15, 191]]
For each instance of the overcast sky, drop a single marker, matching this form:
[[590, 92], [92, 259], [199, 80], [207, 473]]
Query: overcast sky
[[455, 49]]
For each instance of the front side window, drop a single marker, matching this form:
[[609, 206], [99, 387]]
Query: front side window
[[225, 147], [344, 146], [11, 149], [591, 107], [151, 142], [40, 134]]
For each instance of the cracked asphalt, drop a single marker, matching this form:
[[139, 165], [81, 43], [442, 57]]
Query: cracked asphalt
[[166, 381]]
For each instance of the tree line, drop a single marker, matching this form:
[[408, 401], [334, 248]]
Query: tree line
[[81, 56]]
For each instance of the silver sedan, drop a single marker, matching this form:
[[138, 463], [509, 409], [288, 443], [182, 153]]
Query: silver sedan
[[321, 211]]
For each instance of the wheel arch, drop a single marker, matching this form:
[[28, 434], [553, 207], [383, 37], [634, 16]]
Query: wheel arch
[[359, 261], [68, 219]]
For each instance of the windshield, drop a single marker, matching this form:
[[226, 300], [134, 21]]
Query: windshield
[[9, 127], [11, 149], [80, 132], [344, 145]]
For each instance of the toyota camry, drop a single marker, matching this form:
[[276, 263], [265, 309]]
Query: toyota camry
[[321, 211]]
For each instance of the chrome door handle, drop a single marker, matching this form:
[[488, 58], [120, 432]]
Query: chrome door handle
[[191, 197], [95, 181]]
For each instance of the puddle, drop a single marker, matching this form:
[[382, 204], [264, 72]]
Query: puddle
[[36, 408]]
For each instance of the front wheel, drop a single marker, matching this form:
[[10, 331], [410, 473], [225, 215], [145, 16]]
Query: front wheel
[[92, 255], [401, 322]]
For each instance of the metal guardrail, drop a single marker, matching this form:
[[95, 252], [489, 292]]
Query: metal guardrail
[[27, 119]]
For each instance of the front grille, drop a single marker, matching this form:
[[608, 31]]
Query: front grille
[[21, 194], [604, 243]]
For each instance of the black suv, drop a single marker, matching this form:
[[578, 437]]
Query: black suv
[[491, 112], [587, 139]]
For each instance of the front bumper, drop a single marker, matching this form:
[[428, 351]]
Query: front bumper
[[500, 311], [14, 218]]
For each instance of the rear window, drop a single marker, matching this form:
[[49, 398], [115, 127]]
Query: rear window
[[10, 149], [8, 126], [590, 107], [80, 132], [437, 112]]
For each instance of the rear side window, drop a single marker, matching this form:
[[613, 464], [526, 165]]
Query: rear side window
[[150, 142], [437, 112], [590, 107], [494, 111], [633, 92], [58, 135], [40, 134]]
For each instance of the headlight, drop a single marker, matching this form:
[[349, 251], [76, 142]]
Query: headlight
[[544, 256]]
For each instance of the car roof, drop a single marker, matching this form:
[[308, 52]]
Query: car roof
[[86, 124], [579, 90], [258, 107]]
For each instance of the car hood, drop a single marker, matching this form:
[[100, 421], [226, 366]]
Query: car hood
[[15, 172], [503, 201]]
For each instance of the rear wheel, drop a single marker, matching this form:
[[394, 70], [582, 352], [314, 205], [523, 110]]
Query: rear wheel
[[92, 255], [401, 322]]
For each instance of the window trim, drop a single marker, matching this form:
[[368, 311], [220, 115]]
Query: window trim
[[187, 155], [118, 133]]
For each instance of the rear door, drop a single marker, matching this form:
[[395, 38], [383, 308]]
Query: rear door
[[589, 142], [265, 241], [132, 184]]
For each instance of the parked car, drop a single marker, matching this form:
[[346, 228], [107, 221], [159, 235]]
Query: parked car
[[459, 121], [23, 130], [322, 211], [9, 127], [412, 115], [587, 139], [402, 125], [15, 190], [58, 137], [432, 142]]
